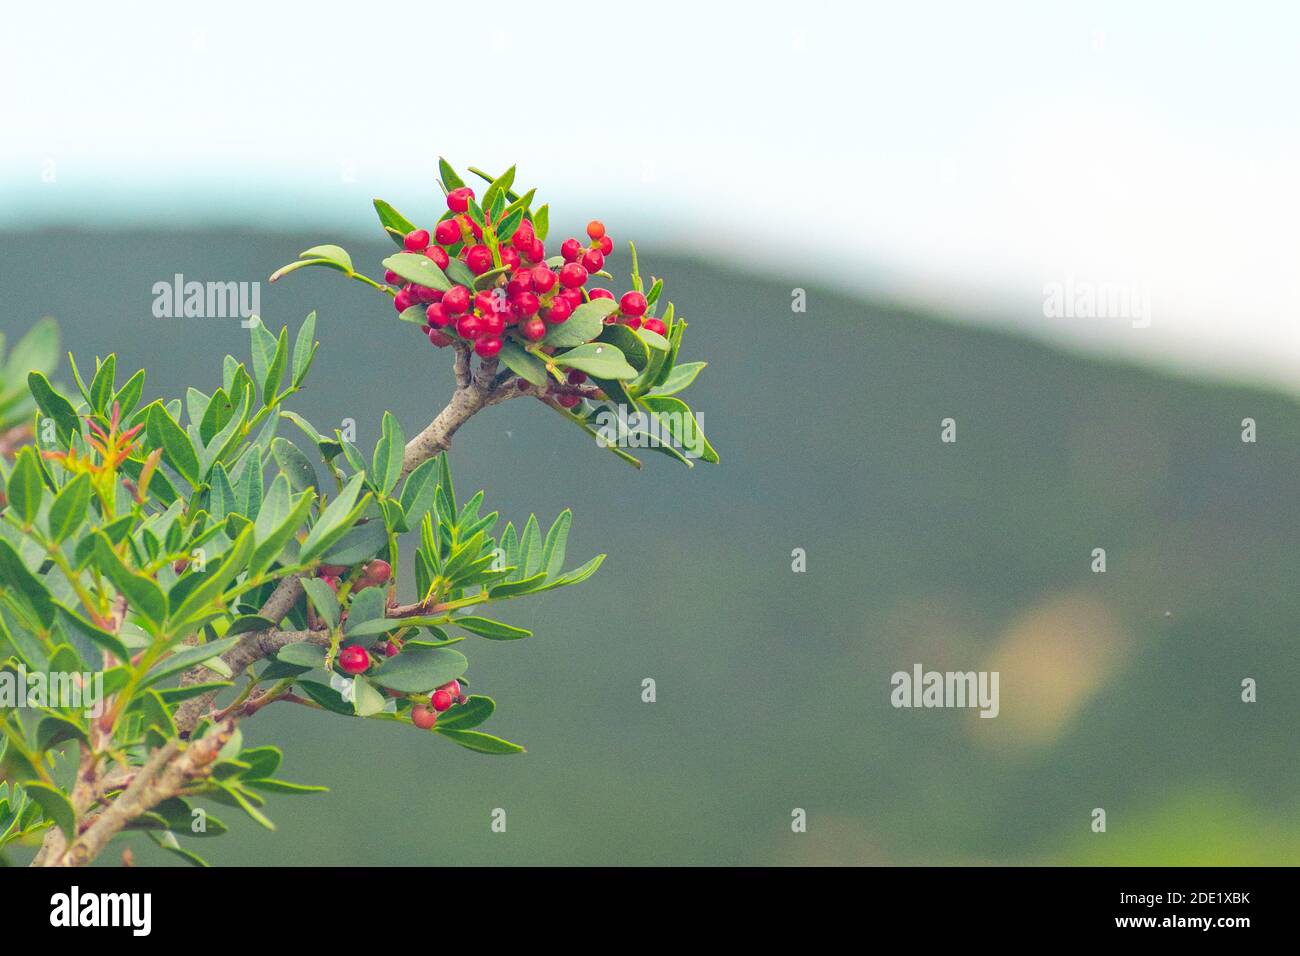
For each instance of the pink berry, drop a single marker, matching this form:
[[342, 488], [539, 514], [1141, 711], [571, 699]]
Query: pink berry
[[593, 260], [437, 315], [534, 329], [487, 346], [571, 249], [559, 311], [467, 326], [491, 323], [510, 257], [456, 300], [543, 279], [392, 278], [417, 240], [423, 717], [439, 338], [479, 259], [605, 245], [527, 303], [403, 300], [523, 237], [439, 256], [600, 294], [447, 232], [537, 251], [441, 700], [654, 325], [521, 281]]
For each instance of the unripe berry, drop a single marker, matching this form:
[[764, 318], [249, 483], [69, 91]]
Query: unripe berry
[[479, 259], [605, 245], [632, 304], [571, 249], [423, 717], [593, 260], [559, 311], [458, 199], [441, 700], [533, 328], [391, 649], [403, 301], [439, 338], [447, 232], [456, 300], [416, 240], [377, 572], [487, 346], [354, 659], [467, 326], [543, 278], [595, 229], [568, 401], [572, 275], [439, 256], [654, 325], [527, 303], [600, 294]]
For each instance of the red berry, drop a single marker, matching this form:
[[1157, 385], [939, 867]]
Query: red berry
[[456, 300], [572, 275], [468, 223], [543, 278], [576, 377], [332, 570], [437, 315], [523, 237], [452, 687], [392, 278], [423, 717], [486, 301], [403, 300], [491, 323], [425, 294], [595, 229], [574, 297], [654, 325], [600, 294], [377, 571], [527, 303], [417, 240], [458, 199], [521, 281], [331, 580], [354, 659], [537, 251], [593, 260], [510, 257], [439, 256], [632, 322], [467, 326], [441, 700], [632, 304], [534, 329], [571, 249], [391, 649], [568, 401], [605, 245], [559, 311], [447, 232], [479, 259], [438, 338], [487, 346]]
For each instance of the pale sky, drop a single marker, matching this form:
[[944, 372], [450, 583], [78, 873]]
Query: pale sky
[[955, 155]]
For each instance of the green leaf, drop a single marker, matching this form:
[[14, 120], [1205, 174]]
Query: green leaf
[[333, 253], [295, 466], [270, 382], [388, 454], [556, 540], [478, 741], [418, 670], [284, 787], [677, 417], [473, 712], [366, 698], [17, 580], [582, 326], [679, 378], [53, 405], [101, 386], [628, 342], [142, 593], [178, 451], [493, 630], [37, 351], [74, 624], [26, 486], [338, 517], [56, 807], [450, 180], [542, 222], [186, 658], [304, 349], [271, 541], [418, 268], [303, 654], [523, 363], [418, 491], [323, 599], [394, 223], [128, 396], [598, 359], [213, 582]]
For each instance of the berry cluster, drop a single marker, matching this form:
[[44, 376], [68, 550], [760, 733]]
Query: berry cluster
[[527, 295], [440, 700]]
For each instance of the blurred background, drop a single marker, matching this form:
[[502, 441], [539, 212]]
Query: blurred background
[[934, 179]]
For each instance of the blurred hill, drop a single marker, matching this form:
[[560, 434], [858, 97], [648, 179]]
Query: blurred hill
[[1118, 690]]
